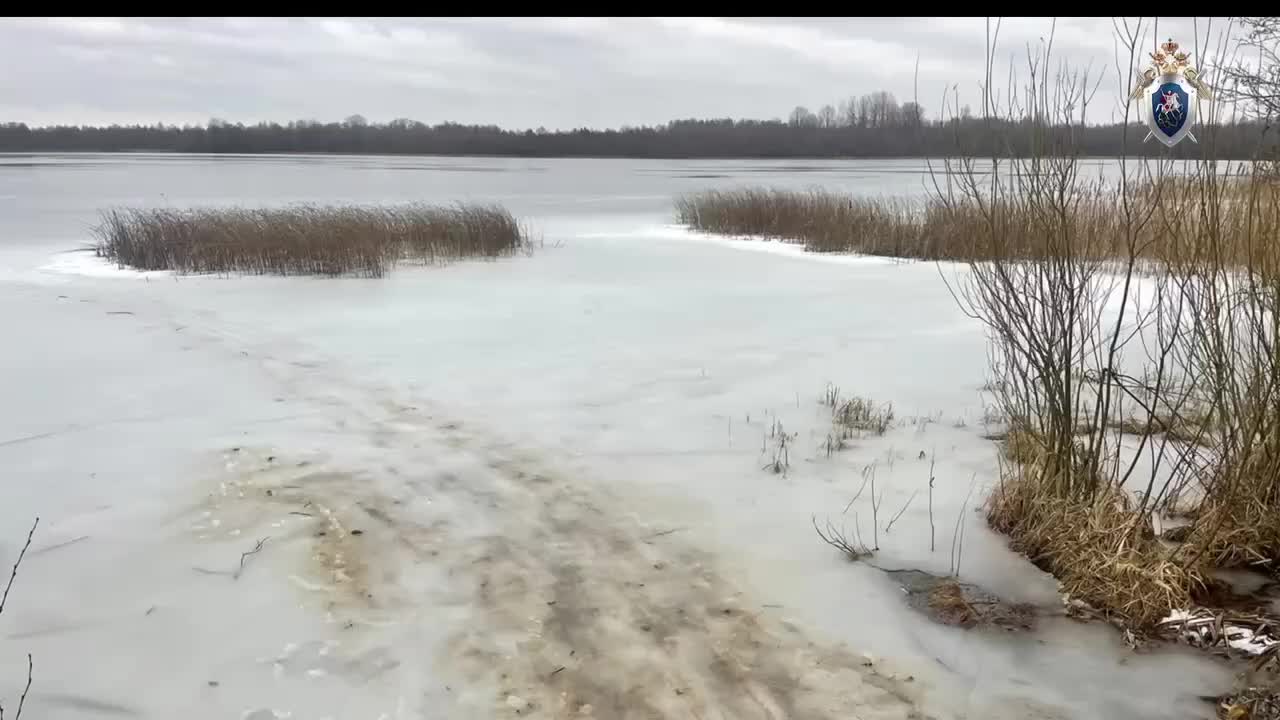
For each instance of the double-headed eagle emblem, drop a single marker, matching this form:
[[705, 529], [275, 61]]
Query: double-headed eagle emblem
[[1168, 94]]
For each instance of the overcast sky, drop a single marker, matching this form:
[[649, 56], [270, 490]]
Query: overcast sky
[[517, 73]]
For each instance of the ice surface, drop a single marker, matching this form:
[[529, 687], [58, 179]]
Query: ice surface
[[86, 263], [473, 476]]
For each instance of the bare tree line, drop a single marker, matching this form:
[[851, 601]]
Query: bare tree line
[[879, 109], [870, 126]]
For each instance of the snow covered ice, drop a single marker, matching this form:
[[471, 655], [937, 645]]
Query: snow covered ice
[[523, 488]]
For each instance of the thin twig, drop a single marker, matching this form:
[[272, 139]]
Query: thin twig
[[23, 700], [837, 539], [865, 478], [957, 535], [875, 512], [243, 556], [904, 509], [14, 573], [665, 532], [932, 530]]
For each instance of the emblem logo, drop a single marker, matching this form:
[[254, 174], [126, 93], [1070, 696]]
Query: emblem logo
[[1168, 95]]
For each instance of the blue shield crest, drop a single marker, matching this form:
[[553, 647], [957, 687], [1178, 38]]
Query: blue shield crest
[[1170, 105]]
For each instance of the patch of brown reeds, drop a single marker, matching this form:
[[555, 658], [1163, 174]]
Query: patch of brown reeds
[[305, 240], [859, 414], [960, 229], [1240, 532], [821, 221], [1102, 551], [1020, 444]]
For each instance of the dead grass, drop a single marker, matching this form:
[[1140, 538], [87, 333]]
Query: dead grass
[[305, 240], [1101, 551], [857, 415], [948, 604], [860, 414], [819, 220], [962, 230], [1020, 445], [953, 603], [1244, 533], [1254, 703]]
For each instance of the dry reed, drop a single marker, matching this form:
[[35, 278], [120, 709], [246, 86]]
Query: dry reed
[[861, 415], [1099, 548], [962, 230], [305, 240]]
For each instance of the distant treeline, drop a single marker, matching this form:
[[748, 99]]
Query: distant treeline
[[802, 137]]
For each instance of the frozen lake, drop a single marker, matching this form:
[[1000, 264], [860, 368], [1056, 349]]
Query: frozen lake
[[526, 488]]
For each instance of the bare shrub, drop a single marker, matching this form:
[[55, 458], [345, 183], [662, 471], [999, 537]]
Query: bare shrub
[[1089, 309], [1134, 337], [305, 240], [838, 538], [1235, 350], [1205, 404]]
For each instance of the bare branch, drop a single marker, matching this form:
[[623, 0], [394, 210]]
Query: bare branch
[[853, 549], [243, 556], [856, 495], [932, 529], [14, 572], [899, 513], [23, 700]]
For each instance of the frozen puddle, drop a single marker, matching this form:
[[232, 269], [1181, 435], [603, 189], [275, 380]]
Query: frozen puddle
[[521, 489]]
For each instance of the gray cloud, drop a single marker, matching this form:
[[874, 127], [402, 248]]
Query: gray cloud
[[524, 72]]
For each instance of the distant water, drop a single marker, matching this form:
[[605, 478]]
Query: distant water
[[52, 200]]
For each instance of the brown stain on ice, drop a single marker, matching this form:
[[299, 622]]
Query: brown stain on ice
[[572, 613], [617, 628], [291, 502]]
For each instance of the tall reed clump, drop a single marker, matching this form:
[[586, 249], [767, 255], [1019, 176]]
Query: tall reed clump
[[305, 240], [822, 221], [956, 228], [1150, 304]]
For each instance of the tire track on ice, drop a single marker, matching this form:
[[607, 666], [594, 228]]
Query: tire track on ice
[[614, 627], [557, 607]]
